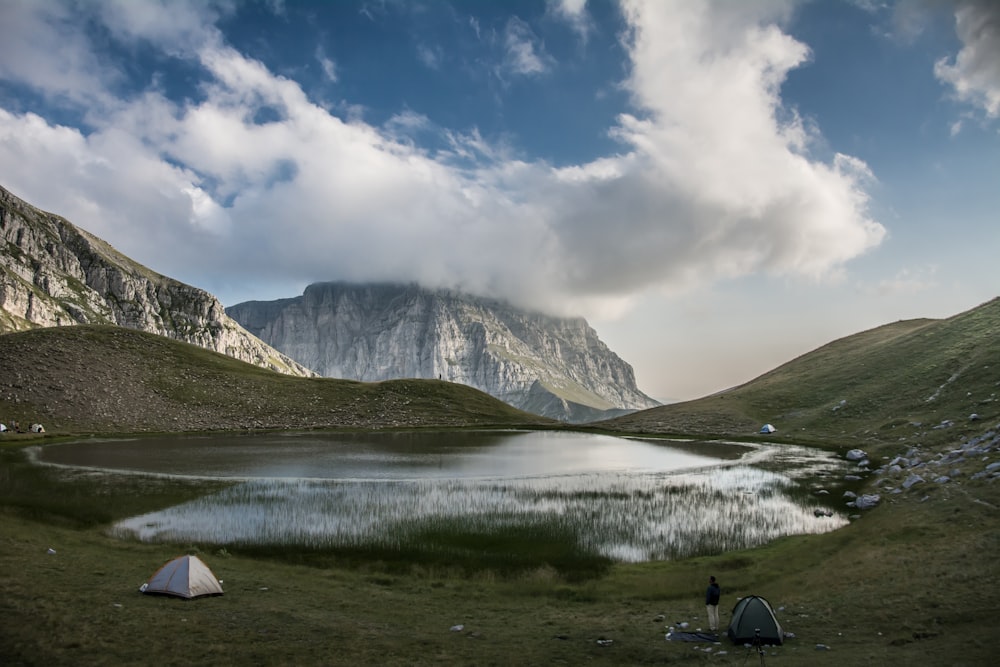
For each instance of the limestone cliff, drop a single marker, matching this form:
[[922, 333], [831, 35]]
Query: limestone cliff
[[55, 274], [556, 367]]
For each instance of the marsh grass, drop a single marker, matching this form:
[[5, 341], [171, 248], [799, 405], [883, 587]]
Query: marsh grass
[[574, 525], [508, 552]]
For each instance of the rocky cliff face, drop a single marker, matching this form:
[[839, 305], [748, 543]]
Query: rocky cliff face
[[547, 365], [54, 274]]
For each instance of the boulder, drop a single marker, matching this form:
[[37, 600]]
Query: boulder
[[867, 501]]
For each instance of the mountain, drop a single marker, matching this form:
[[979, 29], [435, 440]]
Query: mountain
[[110, 379], [915, 382], [55, 274], [555, 367]]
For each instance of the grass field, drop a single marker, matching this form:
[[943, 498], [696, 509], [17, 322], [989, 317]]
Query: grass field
[[892, 588]]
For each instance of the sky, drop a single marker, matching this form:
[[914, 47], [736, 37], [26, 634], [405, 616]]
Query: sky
[[717, 186]]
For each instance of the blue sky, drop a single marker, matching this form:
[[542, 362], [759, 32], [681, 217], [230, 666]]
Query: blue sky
[[717, 186]]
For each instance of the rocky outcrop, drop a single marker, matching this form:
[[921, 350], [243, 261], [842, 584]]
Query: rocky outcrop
[[55, 274], [556, 367]]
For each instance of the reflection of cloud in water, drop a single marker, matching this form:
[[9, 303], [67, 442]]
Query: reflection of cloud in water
[[629, 517]]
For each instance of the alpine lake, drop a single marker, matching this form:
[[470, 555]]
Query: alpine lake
[[452, 495]]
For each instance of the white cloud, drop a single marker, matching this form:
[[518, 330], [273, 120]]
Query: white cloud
[[710, 182], [431, 56], [574, 12], [111, 184], [41, 45], [974, 73], [407, 121], [329, 67], [716, 185], [176, 26], [524, 52]]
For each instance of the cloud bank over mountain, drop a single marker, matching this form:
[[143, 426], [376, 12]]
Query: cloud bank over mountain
[[250, 187]]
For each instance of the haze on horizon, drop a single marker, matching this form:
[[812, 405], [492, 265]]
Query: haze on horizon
[[717, 187]]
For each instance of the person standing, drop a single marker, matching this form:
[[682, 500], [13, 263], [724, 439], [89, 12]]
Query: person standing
[[712, 603]]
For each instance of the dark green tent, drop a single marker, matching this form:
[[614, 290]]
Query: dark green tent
[[753, 620]]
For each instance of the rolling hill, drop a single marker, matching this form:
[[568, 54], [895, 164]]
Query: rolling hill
[[107, 379], [916, 380]]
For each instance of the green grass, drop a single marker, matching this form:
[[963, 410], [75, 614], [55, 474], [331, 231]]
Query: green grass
[[893, 588]]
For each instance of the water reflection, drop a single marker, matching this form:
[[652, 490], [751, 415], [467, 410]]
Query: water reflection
[[628, 517], [407, 455], [625, 499]]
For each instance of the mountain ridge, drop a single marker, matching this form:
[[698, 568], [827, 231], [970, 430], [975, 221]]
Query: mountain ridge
[[53, 273], [557, 367]]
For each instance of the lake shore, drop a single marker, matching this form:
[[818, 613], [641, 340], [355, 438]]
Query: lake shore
[[883, 590]]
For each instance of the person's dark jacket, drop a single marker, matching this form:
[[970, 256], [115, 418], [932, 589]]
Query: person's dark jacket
[[712, 594]]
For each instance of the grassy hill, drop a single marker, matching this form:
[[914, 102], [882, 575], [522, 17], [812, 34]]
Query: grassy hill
[[892, 384], [106, 379]]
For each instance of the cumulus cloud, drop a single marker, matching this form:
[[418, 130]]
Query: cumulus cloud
[[256, 185], [974, 73], [32, 33], [716, 184]]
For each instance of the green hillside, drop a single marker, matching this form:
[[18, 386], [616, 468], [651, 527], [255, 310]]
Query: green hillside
[[886, 385], [107, 379]]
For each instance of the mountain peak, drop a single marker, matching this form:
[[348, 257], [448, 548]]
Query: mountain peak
[[554, 366]]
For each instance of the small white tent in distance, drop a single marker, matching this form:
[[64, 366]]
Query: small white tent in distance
[[767, 428], [186, 577]]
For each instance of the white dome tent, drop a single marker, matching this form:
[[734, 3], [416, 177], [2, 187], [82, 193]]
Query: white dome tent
[[185, 577]]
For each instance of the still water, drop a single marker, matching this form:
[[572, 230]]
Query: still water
[[627, 499]]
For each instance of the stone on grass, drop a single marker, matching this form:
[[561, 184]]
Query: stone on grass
[[867, 501]]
